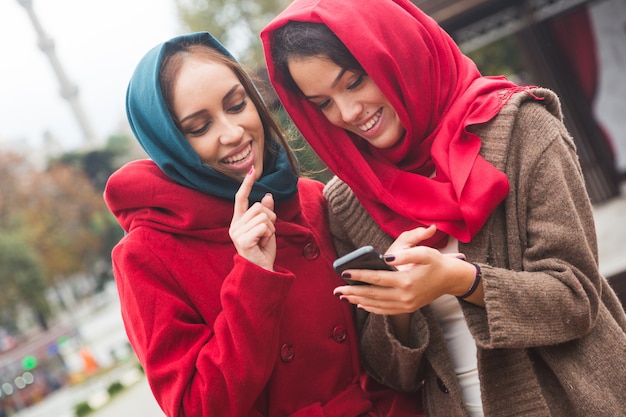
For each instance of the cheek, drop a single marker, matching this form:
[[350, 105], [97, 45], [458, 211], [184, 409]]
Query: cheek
[[333, 116], [251, 120], [205, 148]]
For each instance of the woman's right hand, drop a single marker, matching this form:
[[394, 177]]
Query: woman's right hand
[[252, 229]]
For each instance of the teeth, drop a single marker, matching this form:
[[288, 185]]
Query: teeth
[[240, 156], [367, 126]]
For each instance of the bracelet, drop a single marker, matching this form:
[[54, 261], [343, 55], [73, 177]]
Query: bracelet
[[477, 278]]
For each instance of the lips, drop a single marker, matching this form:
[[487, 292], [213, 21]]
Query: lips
[[238, 157], [371, 122]]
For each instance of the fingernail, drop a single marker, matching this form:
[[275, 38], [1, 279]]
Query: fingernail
[[344, 299], [346, 275], [389, 258], [251, 170], [338, 294], [461, 257]]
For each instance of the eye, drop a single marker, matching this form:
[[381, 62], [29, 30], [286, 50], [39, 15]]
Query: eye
[[238, 107], [200, 131], [323, 104], [357, 82]]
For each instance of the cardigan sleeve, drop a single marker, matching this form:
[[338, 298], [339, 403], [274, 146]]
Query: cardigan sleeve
[[185, 356], [389, 361], [385, 358], [550, 292]]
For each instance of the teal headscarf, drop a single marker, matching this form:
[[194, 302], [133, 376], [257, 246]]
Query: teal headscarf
[[157, 133]]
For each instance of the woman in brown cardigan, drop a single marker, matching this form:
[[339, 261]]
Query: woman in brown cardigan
[[417, 137]]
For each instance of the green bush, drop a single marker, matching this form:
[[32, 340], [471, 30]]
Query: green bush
[[115, 387], [82, 409]]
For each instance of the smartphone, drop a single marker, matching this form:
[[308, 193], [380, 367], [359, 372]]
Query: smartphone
[[363, 258]]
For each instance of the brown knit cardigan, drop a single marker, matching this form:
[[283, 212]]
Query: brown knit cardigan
[[551, 339]]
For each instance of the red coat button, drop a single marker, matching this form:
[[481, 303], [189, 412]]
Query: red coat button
[[339, 334], [287, 353], [311, 251]]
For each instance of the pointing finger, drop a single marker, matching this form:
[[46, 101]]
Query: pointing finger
[[241, 198]]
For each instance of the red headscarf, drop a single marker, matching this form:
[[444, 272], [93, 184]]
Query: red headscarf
[[437, 92]]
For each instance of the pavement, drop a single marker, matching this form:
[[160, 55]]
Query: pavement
[[610, 218], [135, 400]]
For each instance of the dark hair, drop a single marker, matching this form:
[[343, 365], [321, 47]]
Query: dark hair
[[172, 62], [304, 40]]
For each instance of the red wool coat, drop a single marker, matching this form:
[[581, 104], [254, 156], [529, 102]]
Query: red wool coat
[[218, 335]]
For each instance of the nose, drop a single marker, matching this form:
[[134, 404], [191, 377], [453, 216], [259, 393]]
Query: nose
[[230, 132], [349, 109]]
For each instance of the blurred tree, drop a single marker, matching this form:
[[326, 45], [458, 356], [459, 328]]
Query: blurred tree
[[310, 164], [501, 57], [99, 164], [22, 282], [13, 171], [119, 144], [236, 23], [61, 214]]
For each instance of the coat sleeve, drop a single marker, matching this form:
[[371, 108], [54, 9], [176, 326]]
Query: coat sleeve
[[196, 365], [551, 292]]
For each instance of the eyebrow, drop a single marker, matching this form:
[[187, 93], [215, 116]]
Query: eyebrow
[[226, 97], [334, 83]]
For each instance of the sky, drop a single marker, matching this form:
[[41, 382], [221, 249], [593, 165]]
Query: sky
[[98, 43]]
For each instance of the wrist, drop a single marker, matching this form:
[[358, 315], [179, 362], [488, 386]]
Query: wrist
[[475, 282]]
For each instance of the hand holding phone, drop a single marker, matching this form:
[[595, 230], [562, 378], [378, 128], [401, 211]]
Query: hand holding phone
[[363, 258]]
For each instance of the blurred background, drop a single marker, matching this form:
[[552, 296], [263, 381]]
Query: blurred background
[[63, 131]]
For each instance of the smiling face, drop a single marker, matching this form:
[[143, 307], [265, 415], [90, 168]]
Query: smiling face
[[214, 112], [348, 99]]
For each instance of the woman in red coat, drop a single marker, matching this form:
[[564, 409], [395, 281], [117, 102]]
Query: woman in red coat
[[224, 273]]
